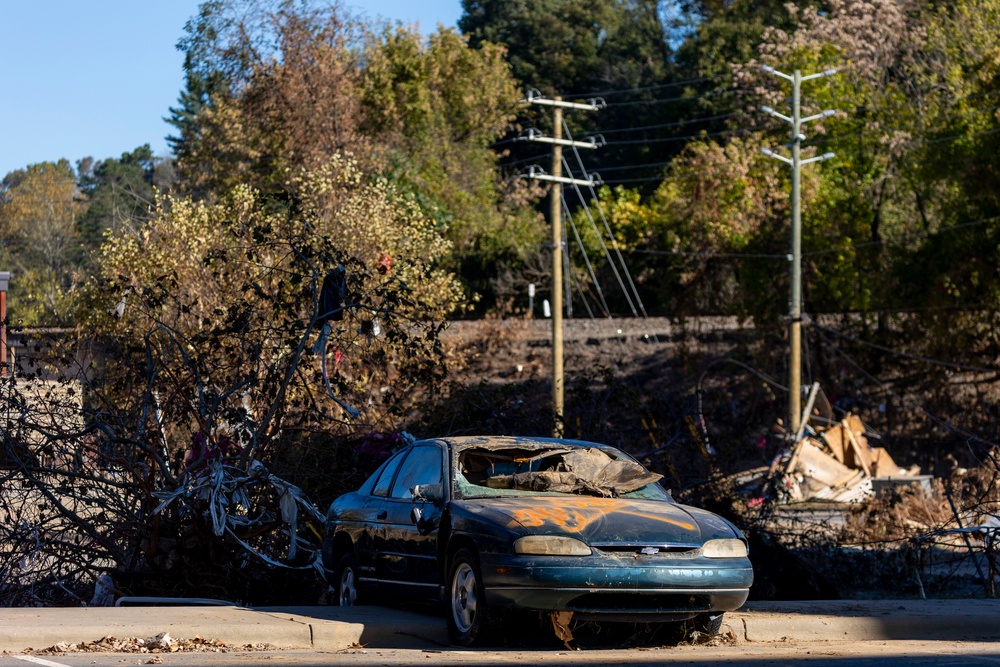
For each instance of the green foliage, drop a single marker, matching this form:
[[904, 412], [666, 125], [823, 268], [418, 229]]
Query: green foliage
[[291, 85], [566, 48], [39, 210], [439, 106], [119, 192], [729, 32], [555, 45], [223, 297]]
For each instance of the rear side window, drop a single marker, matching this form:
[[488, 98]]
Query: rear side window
[[422, 466], [385, 479]]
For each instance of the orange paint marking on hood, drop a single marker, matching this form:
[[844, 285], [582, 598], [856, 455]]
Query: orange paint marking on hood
[[575, 514]]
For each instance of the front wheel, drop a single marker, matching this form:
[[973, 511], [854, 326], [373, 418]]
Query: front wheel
[[346, 581], [468, 615]]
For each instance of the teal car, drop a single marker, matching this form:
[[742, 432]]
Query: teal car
[[493, 526]]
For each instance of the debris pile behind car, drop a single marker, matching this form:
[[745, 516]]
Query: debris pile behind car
[[832, 460]]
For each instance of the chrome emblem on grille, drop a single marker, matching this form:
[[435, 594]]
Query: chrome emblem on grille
[[649, 551]]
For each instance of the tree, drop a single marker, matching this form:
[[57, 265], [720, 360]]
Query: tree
[[272, 87], [566, 47], [437, 108], [583, 49], [39, 209], [119, 193], [296, 84]]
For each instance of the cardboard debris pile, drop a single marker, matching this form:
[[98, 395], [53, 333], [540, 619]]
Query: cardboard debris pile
[[832, 460]]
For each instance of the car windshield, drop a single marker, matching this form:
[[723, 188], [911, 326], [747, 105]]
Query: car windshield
[[487, 472]]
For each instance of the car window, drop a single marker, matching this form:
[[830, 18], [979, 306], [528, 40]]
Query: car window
[[385, 479], [422, 466]]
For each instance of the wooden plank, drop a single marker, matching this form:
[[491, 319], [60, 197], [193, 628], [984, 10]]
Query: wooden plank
[[861, 456], [837, 442], [820, 466]]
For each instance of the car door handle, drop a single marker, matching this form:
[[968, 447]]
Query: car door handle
[[381, 515]]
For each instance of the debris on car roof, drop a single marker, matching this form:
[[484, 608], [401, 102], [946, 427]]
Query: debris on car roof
[[570, 471]]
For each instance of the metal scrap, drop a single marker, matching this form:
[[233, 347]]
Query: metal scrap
[[220, 492]]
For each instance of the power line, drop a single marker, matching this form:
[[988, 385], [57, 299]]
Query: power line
[[883, 130], [623, 181], [600, 237], [586, 259], [706, 255], [905, 355], [661, 86], [912, 144], [668, 100], [725, 255], [611, 236], [908, 145], [533, 158], [942, 422], [922, 234], [678, 123], [701, 135], [648, 165]]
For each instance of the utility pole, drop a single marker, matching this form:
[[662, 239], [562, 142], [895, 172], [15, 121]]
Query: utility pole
[[555, 217], [795, 257]]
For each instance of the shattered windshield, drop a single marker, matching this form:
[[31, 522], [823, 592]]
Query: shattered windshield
[[486, 472]]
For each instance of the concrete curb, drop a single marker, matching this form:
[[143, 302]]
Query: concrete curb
[[376, 627], [868, 620], [336, 628], [40, 628], [322, 628]]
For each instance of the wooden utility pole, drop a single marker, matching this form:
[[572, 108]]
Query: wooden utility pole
[[555, 218], [555, 213]]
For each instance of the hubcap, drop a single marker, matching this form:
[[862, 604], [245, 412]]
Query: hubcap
[[463, 597], [348, 592]]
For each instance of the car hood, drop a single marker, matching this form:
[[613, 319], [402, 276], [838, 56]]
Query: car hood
[[603, 520]]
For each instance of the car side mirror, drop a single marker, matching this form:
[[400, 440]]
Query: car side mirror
[[432, 492], [423, 520]]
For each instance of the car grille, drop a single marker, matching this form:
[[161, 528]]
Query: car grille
[[637, 602], [675, 550]]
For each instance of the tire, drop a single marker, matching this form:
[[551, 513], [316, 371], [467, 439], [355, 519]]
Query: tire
[[709, 624], [468, 615], [345, 581]]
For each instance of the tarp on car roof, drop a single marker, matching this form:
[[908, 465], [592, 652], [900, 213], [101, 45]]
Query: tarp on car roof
[[582, 471]]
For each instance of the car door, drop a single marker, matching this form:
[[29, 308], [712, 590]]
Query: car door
[[375, 521], [407, 556]]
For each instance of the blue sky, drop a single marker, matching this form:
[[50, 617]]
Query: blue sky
[[96, 78]]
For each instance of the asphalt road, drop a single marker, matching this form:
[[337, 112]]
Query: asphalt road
[[741, 654]]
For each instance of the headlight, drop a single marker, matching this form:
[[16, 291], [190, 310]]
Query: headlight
[[728, 548], [551, 545]]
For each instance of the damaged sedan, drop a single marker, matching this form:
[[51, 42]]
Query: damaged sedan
[[494, 525]]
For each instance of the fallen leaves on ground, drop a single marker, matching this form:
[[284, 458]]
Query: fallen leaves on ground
[[161, 643]]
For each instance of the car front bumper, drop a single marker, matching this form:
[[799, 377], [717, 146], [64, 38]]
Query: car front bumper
[[625, 588]]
